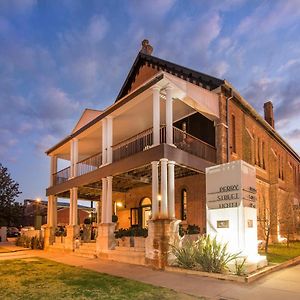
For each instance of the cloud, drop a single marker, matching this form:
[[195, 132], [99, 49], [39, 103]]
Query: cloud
[[17, 6], [294, 134], [154, 9], [269, 17]]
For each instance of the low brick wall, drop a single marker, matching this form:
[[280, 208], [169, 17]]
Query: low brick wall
[[33, 233]]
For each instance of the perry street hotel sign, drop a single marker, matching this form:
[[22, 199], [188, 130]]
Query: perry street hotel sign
[[229, 184]]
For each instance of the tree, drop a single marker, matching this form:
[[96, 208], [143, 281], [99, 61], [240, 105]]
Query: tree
[[10, 210]]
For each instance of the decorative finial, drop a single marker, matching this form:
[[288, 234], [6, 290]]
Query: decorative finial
[[146, 47]]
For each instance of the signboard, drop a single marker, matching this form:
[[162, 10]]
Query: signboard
[[229, 185]]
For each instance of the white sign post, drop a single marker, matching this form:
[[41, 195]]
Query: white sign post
[[231, 209]]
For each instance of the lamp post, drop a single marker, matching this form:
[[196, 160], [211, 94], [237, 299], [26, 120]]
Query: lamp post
[[37, 215]]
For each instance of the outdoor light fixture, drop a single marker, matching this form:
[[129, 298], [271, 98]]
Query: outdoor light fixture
[[38, 199], [159, 197]]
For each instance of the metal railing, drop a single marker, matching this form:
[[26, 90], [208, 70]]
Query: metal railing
[[192, 145], [89, 164], [135, 144], [61, 176], [140, 142]]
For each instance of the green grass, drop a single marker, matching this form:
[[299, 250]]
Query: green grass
[[278, 253], [42, 279]]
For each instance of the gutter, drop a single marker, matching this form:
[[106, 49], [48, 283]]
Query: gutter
[[227, 121]]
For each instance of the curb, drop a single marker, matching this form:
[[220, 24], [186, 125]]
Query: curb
[[244, 279]]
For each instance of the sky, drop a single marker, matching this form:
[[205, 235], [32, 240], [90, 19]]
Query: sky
[[58, 57]]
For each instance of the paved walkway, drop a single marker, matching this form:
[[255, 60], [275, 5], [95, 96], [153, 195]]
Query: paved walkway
[[284, 284]]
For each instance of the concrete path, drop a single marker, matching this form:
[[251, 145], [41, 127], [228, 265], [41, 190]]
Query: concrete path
[[284, 284]]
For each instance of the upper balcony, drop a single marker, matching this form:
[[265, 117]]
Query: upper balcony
[[141, 142], [166, 113]]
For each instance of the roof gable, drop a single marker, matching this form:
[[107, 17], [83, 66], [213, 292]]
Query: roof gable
[[87, 116], [206, 81]]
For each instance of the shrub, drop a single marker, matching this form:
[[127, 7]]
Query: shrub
[[133, 231], [212, 256], [27, 242], [193, 229], [60, 231], [206, 254], [184, 254]]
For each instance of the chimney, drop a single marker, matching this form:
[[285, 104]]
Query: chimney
[[146, 47], [269, 114]]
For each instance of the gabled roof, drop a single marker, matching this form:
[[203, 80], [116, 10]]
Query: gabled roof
[[204, 80], [87, 116]]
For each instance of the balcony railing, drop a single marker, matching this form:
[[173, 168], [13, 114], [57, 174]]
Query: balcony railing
[[192, 145], [139, 143], [135, 144], [62, 176], [89, 164]]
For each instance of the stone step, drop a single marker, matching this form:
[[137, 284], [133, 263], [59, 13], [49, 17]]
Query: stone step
[[87, 246], [125, 255], [88, 254]]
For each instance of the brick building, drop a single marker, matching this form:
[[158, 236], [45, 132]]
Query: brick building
[[144, 157]]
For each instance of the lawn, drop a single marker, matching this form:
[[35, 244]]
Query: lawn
[[278, 253], [36, 278]]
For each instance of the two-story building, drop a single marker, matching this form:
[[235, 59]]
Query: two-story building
[[144, 157]]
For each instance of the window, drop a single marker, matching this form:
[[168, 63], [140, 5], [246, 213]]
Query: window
[[183, 204], [263, 155], [233, 137]]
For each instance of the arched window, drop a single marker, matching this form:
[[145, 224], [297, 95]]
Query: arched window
[[183, 204], [145, 201]]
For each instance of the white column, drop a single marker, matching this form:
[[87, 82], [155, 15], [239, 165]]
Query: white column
[[75, 206], [109, 200], [104, 201], [98, 212], [104, 145], [169, 116], [54, 211], [109, 138], [53, 168], [71, 159], [156, 116], [75, 156], [171, 189], [155, 211], [163, 188], [71, 208], [50, 211]]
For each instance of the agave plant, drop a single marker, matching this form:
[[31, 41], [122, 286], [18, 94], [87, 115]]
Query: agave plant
[[211, 255], [184, 253]]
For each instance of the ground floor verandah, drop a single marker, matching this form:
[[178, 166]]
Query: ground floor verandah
[[149, 197]]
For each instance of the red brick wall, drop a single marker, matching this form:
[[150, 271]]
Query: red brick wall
[[63, 216]]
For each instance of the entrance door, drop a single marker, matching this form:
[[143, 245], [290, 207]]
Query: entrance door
[[145, 206]]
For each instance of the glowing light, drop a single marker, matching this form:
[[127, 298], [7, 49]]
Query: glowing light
[[119, 204], [159, 197], [38, 199]]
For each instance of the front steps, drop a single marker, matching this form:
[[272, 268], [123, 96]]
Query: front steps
[[128, 255], [86, 250]]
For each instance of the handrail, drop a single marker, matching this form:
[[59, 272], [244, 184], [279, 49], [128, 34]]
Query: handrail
[[89, 164], [133, 145], [61, 176], [193, 137], [133, 138], [188, 143]]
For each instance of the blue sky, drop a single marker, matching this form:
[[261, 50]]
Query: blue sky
[[58, 57]]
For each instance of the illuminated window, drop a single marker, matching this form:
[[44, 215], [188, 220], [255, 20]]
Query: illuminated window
[[183, 204]]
